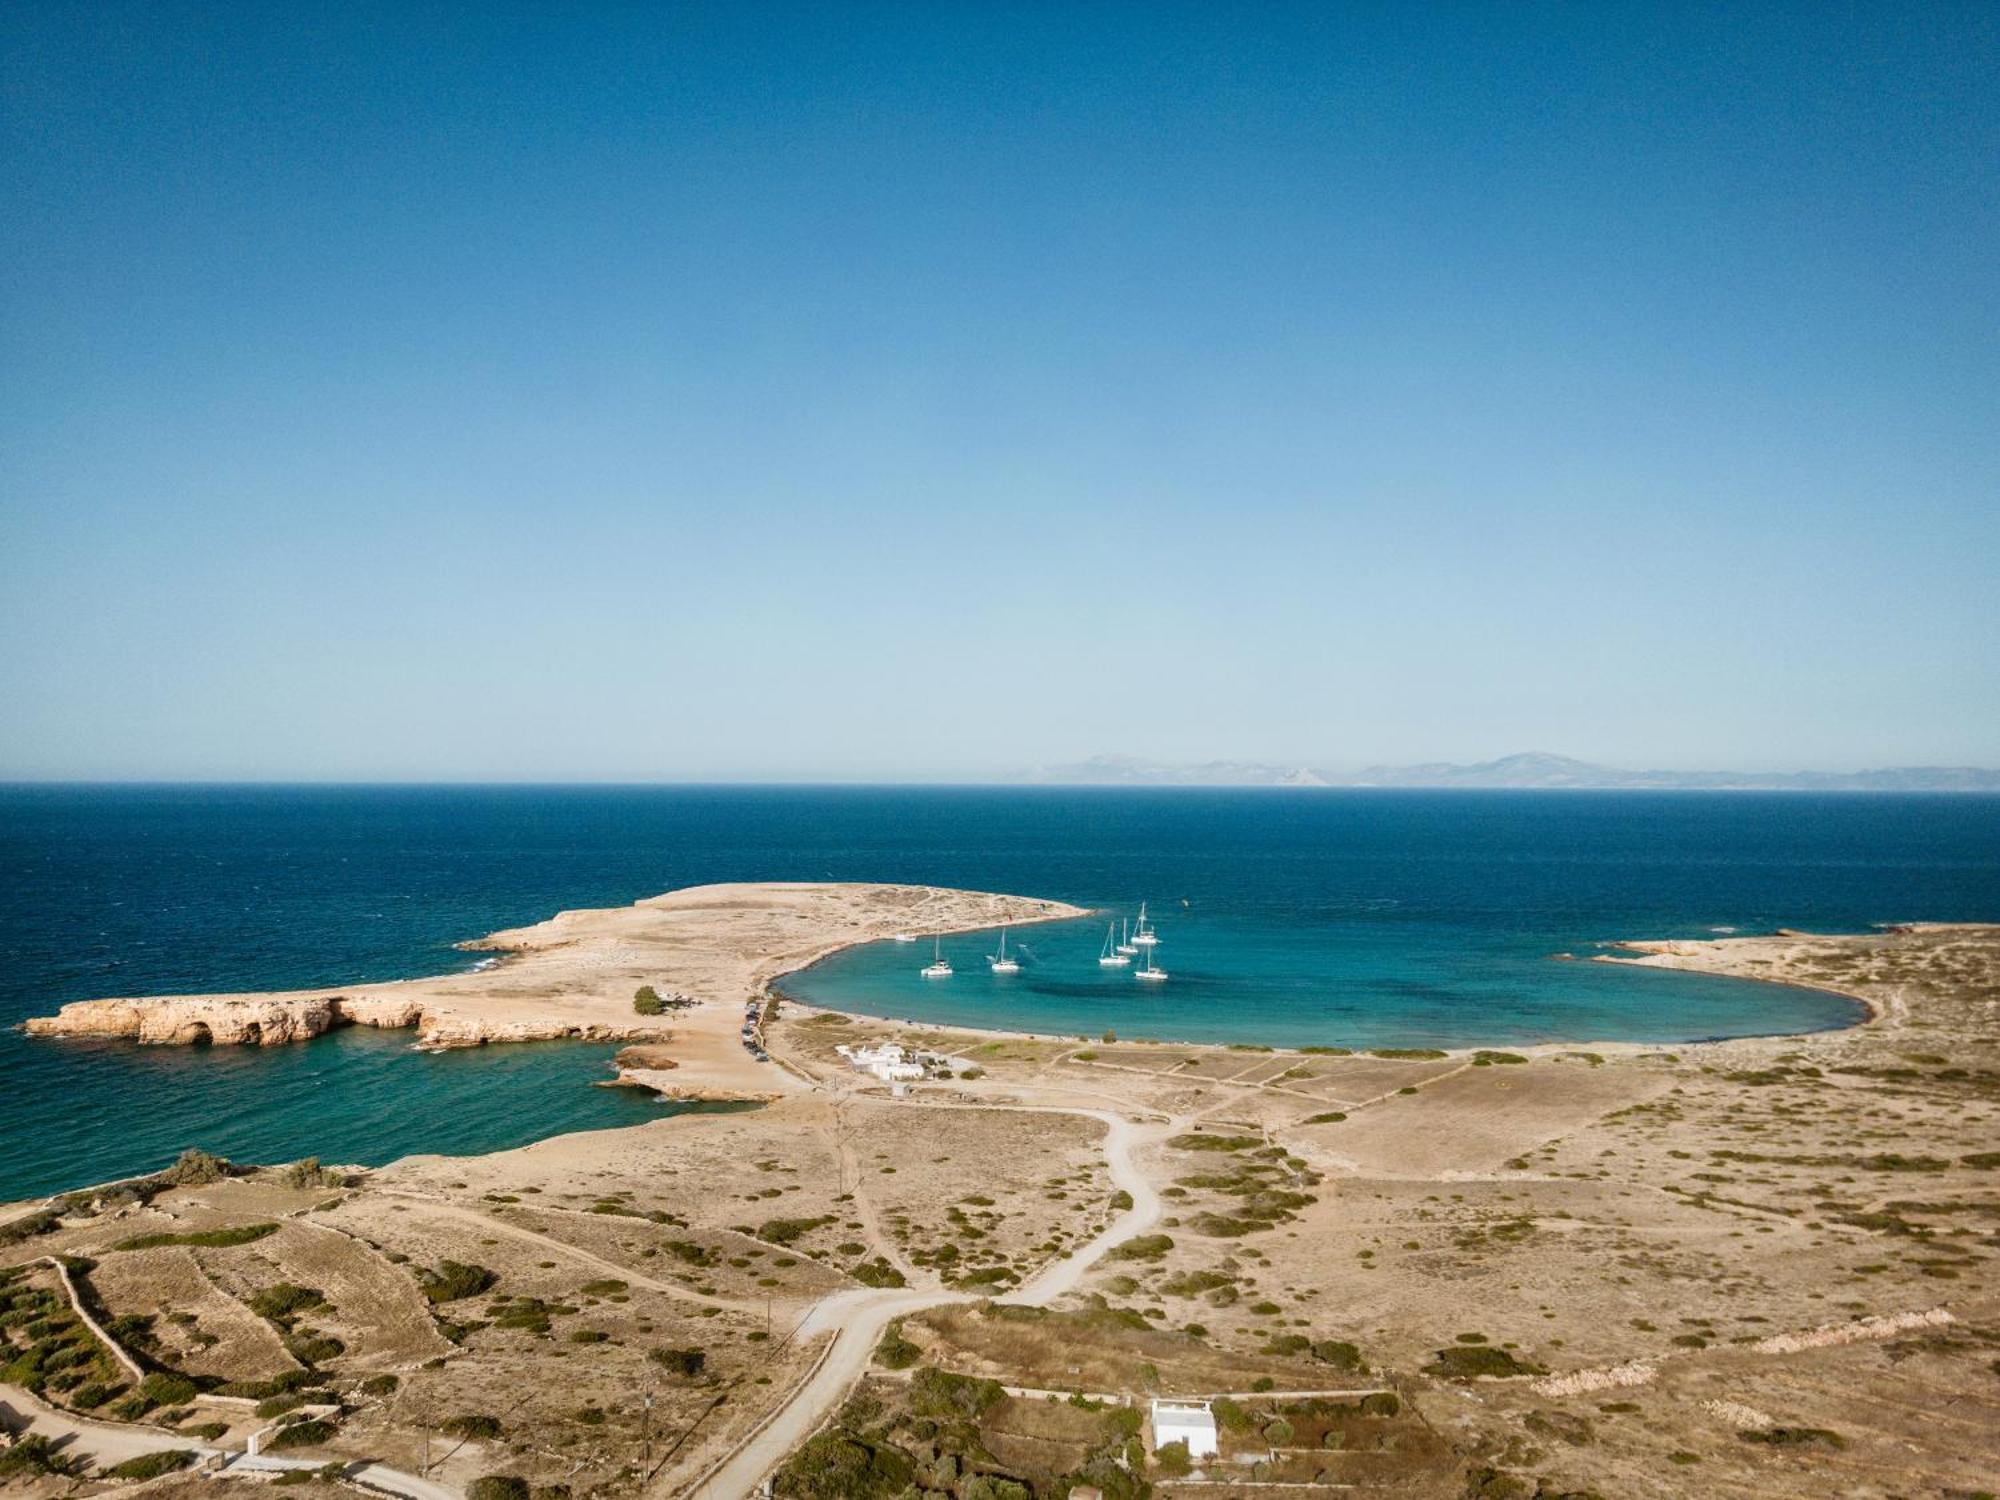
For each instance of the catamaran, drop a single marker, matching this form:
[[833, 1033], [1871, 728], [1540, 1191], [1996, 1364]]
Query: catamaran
[[1000, 962], [1125, 937], [1144, 937], [1152, 971], [1112, 957], [939, 967]]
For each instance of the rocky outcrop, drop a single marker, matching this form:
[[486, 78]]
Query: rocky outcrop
[[169, 1021], [271, 1021]]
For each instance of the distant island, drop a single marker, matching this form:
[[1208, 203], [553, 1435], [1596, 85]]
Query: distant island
[[1529, 770]]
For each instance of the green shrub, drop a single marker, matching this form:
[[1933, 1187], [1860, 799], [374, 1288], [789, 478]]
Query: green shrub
[[1143, 1247], [1486, 1059], [687, 1363], [308, 1173], [168, 1390], [1200, 1141], [1469, 1361], [647, 1001], [785, 1231], [877, 1272], [1407, 1054], [152, 1465], [1789, 1437], [196, 1168], [452, 1281], [1328, 1117], [896, 1352], [208, 1239], [35, 1454], [497, 1487], [379, 1385], [609, 1287], [284, 1301], [1338, 1353], [1172, 1459], [306, 1434], [475, 1425]]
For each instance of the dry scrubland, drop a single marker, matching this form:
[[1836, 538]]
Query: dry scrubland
[[1749, 1268]]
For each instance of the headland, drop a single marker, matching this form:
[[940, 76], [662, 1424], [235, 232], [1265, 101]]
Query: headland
[[1754, 1267]]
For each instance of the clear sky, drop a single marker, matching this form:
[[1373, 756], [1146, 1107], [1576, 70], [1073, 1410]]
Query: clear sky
[[691, 391]]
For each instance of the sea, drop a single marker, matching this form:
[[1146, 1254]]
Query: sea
[[1290, 917]]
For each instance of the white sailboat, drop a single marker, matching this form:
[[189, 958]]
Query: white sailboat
[[939, 967], [1144, 937], [1000, 962], [1112, 957], [905, 937], [1152, 973], [1125, 937]]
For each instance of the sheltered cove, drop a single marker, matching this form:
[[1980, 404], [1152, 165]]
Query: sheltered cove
[[1560, 1266]]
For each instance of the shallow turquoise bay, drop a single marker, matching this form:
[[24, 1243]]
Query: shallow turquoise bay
[[1347, 918]]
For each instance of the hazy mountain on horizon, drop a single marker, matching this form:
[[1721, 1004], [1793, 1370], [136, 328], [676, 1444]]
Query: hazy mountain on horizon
[[1528, 770]]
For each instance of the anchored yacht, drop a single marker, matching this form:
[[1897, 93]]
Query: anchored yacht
[[1000, 962], [1144, 937], [1112, 957], [939, 967]]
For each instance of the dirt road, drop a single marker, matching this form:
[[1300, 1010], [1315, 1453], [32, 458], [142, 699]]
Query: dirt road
[[858, 1318]]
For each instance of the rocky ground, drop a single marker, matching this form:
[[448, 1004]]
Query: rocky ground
[[1736, 1269]]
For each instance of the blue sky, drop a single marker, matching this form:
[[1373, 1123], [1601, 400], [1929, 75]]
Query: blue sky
[[928, 390]]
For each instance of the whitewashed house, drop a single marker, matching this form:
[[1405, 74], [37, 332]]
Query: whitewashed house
[[1190, 1422], [888, 1062]]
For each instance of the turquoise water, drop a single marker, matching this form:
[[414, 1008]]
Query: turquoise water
[[1353, 982], [1344, 917]]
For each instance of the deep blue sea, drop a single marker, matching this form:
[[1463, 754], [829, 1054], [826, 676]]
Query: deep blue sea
[[1337, 917]]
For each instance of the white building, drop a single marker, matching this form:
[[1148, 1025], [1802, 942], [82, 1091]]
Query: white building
[[1189, 1422], [888, 1062]]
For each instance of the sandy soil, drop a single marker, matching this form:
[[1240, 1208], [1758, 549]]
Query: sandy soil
[[1760, 1267], [576, 974]]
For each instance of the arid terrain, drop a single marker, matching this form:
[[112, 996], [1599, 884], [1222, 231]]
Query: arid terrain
[[1751, 1268]]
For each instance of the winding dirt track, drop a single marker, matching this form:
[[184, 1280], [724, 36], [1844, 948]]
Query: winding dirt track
[[858, 1318]]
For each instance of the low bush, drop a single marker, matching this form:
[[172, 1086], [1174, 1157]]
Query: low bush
[[475, 1425], [453, 1280], [647, 1001], [497, 1487], [896, 1352], [1470, 1361], [152, 1465], [1792, 1437], [877, 1272], [1200, 1141], [1144, 1247], [168, 1390], [686, 1363], [306, 1434], [284, 1301], [206, 1239], [1407, 1054]]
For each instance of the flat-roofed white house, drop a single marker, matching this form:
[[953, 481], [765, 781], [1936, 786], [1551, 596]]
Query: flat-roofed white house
[[887, 1062], [1190, 1422]]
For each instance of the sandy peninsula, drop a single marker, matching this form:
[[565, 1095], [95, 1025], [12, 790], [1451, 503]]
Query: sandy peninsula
[[1750, 1268], [712, 947]]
